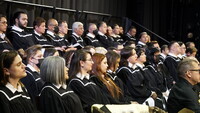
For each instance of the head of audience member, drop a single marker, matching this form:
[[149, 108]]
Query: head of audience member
[[50, 52], [174, 48], [52, 25], [53, 70], [101, 50], [189, 69], [90, 49], [39, 25], [148, 38], [143, 37], [81, 62], [121, 30], [92, 27], [116, 29], [141, 56], [68, 56], [191, 52], [109, 32], [63, 28], [165, 49], [99, 69], [102, 27], [113, 60], [11, 68], [20, 19], [182, 48], [155, 44], [132, 31], [34, 56], [128, 55], [3, 24], [153, 56], [190, 44], [77, 28], [130, 44]]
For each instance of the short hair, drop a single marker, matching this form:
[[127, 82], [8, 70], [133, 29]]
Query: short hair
[[17, 15], [38, 21], [113, 26], [31, 51], [100, 24], [131, 27], [185, 65], [128, 43], [171, 44], [191, 50], [76, 25], [188, 44], [2, 16], [163, 47], [61, 21], [49, 22], [49, 52], [52, 70], [180, 43], [6, 60], [139, 51]]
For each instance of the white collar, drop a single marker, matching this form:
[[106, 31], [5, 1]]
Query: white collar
[[37, 33], [163, 55], [140, 65], [64, 86], [81, 76], [171, 54], [91, 35], [75, 34], [128, 34], [139, 42], [17, 28], [2, 36], [133, 66], [109, 71], [51, 33], [11, 88], [31, 68], [100, 33]]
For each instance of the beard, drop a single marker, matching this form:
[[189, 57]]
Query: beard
[[22, 26]]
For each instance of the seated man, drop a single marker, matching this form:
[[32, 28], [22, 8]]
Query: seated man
[[182, 94]]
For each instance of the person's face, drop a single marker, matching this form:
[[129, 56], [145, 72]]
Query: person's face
[[156, 45], [66, 73], [17, 69], [36, 57], [103, 28], [63, 28], [194, 74], [121, 30], [166, 51], [117, 64], [104, 65], [132, 59], [133, 32], [40, 29], [182, 49], [144, 38], [22, 21], [3, 25], [142, 58], [52, 25], [79, 31], [92, 28], [116, 30], [176, 48], [109, 31], [87, 64]]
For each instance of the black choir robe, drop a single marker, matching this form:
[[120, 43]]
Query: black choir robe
[[92, 41], [128, 37], [42, 40], [88, 92], [54, 100], [135, 82], [4, 44], [76, 41], [106, 43], [17, 102]]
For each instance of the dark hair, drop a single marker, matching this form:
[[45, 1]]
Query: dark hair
[[128, 43], [61, 21], [113, 26], [1, 16], [125, 53], [191, 50], [164, 47], [141, 34], [75, 66], [38, 21], [31, 51], [139, 51], [17, 15], [171, 44], [112, 58], [6, 60], [49, 52], [131, 27], [68, 57], [180, 43], [100, 24]]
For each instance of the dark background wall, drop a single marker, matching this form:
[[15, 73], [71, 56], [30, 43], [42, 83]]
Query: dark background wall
[[170, 19]]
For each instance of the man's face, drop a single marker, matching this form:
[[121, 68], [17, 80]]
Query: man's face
[[40, 29], [22, 21], [63, 28], [3, 25]]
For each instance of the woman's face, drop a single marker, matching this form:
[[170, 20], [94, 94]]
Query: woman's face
[[104, 65], [117, 64], [17, 69], [87, 64], [132, 59]]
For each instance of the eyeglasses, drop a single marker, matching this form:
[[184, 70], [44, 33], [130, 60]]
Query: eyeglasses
[[3, 22], [195, 70]]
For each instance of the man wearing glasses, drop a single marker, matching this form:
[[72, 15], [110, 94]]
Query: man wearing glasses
[[182, 94]]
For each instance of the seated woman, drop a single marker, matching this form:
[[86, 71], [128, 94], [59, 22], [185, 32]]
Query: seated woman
[[33, 81], [106, 84], [13, 95], [88, 92], [55, 96]]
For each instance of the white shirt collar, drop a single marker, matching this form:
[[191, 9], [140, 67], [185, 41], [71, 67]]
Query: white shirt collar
[[75, 34], [164, 56], [2, 36], [139, 42], [37, 33], [31, 67], [11, 88], [64, 86], [51, 33], [81, 76], [91, 35], [133, 66], [17, 28], [171, 54], [140, 65], [100, 33], [128, 34]]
